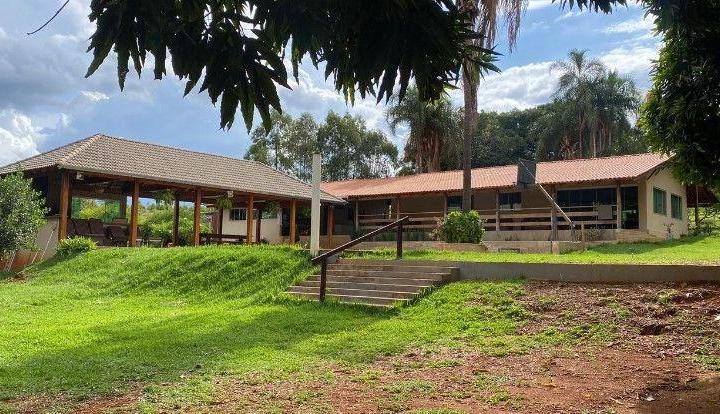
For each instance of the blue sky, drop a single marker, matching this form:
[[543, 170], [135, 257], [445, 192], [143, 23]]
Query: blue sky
[[45, 101]]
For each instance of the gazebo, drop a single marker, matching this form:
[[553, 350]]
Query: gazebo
[[110, 168]]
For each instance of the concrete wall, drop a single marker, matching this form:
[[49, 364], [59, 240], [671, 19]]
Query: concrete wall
[[656, 224], [568, 272], [46, 241], [269, 228]]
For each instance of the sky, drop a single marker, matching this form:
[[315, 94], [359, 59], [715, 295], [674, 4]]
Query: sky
[[46, 101]]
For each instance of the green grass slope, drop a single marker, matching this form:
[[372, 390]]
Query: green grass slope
[[112, 319]]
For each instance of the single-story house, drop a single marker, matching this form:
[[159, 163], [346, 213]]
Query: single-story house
[[628, 197], [110, 168]]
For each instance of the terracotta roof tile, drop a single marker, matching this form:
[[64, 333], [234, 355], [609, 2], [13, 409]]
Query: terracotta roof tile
[[557, 172], [127, 158]]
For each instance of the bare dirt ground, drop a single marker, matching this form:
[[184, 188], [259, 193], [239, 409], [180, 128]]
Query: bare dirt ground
[[662, 358]]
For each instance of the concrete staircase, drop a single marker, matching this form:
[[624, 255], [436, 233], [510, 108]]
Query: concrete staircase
[[376, 283]]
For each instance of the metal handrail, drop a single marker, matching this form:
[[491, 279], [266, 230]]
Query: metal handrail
[[323, 258]]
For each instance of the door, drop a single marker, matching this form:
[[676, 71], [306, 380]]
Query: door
[[630, 211]]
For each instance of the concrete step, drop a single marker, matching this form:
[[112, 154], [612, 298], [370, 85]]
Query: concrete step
[[377, 279], [409, 274], [355, 292], [315, 283], [364, 300]]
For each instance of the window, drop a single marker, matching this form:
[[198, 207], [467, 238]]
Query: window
[[509, 201], [454, 203], [659, 201], [588, 197], [238, 214], [241, 214], [676, 206]]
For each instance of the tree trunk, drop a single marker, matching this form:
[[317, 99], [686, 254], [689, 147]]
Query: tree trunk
[[470, 117]]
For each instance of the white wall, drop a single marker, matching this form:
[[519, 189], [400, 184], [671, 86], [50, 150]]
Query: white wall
[[269, 228], [657, 223]]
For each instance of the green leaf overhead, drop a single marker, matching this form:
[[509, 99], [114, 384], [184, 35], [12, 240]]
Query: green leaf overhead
[[237, 51]]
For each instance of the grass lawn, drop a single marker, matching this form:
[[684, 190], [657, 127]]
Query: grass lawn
[[113, 319], [690, 250]]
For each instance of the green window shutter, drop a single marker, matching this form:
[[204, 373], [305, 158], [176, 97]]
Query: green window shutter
[[659, 201], [676, 206]]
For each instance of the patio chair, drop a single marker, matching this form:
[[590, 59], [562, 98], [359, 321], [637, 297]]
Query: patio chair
[[117, 235]]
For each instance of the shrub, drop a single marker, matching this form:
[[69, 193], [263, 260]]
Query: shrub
[[75, 245], [460, 227], [22, 214]]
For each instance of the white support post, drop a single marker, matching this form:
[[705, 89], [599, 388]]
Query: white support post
[[315, 206]]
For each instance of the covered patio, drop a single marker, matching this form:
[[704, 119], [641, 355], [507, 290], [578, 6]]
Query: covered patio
[[109, 168]]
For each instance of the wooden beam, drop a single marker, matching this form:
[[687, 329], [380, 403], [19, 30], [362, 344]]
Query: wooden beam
[[249, 217], [397, 201], [134, 213], [293, 222], [497, 210], [618, 200], [445, 204], [64, 205], [258, 227], [176, 223], [356, 215], [221, 218], [196, 217], [553, 215], [330, 224]]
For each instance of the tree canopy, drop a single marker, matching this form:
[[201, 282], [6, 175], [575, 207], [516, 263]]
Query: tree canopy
[[237, 50], [349, 149]]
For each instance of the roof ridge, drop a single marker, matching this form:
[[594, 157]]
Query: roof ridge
[[83, 144], [152, 144]]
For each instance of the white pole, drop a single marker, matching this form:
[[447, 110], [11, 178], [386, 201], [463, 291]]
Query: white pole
[[315, 206]]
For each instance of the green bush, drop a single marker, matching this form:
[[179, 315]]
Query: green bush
[[22, 214], [75, 245], [460, 227], [157, 223]]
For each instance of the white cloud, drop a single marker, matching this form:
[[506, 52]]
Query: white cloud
[[641, 24], [632, 60], [19, 138], [568, 15], [94, 96], [518, 87], [539, 4]]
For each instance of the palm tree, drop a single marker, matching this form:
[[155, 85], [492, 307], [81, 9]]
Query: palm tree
[[591, 107], [431, 124], [482, 16]]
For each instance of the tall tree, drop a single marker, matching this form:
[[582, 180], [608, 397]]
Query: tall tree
[[235, 49], [430, 125], [348, 148], [482, 16]]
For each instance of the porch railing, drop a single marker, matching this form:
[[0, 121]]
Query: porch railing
[[531, 218], [323, 258]]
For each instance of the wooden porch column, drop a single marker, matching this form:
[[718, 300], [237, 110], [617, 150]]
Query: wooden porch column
[[330, 224], [445, 204], [497, 210], [64, 205], [553, 215], [258, 226], [196, 217], [356, 214], [176, 222], [397, 202], [618, 197], [697, 206], [293, 222], [134, 213], [221, 217], [249, 219]]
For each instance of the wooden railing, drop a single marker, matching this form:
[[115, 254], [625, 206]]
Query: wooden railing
[[323, 258]]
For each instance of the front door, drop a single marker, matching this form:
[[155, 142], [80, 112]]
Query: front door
[[630, 211]]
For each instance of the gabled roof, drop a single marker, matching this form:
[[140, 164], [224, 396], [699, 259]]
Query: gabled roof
[[625, 167], [126, 158]]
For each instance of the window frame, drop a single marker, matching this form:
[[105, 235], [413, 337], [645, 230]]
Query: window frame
[[679, 215], [664, 202], [510, 196]]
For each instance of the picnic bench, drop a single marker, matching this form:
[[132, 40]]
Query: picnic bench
[[216, 238]]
